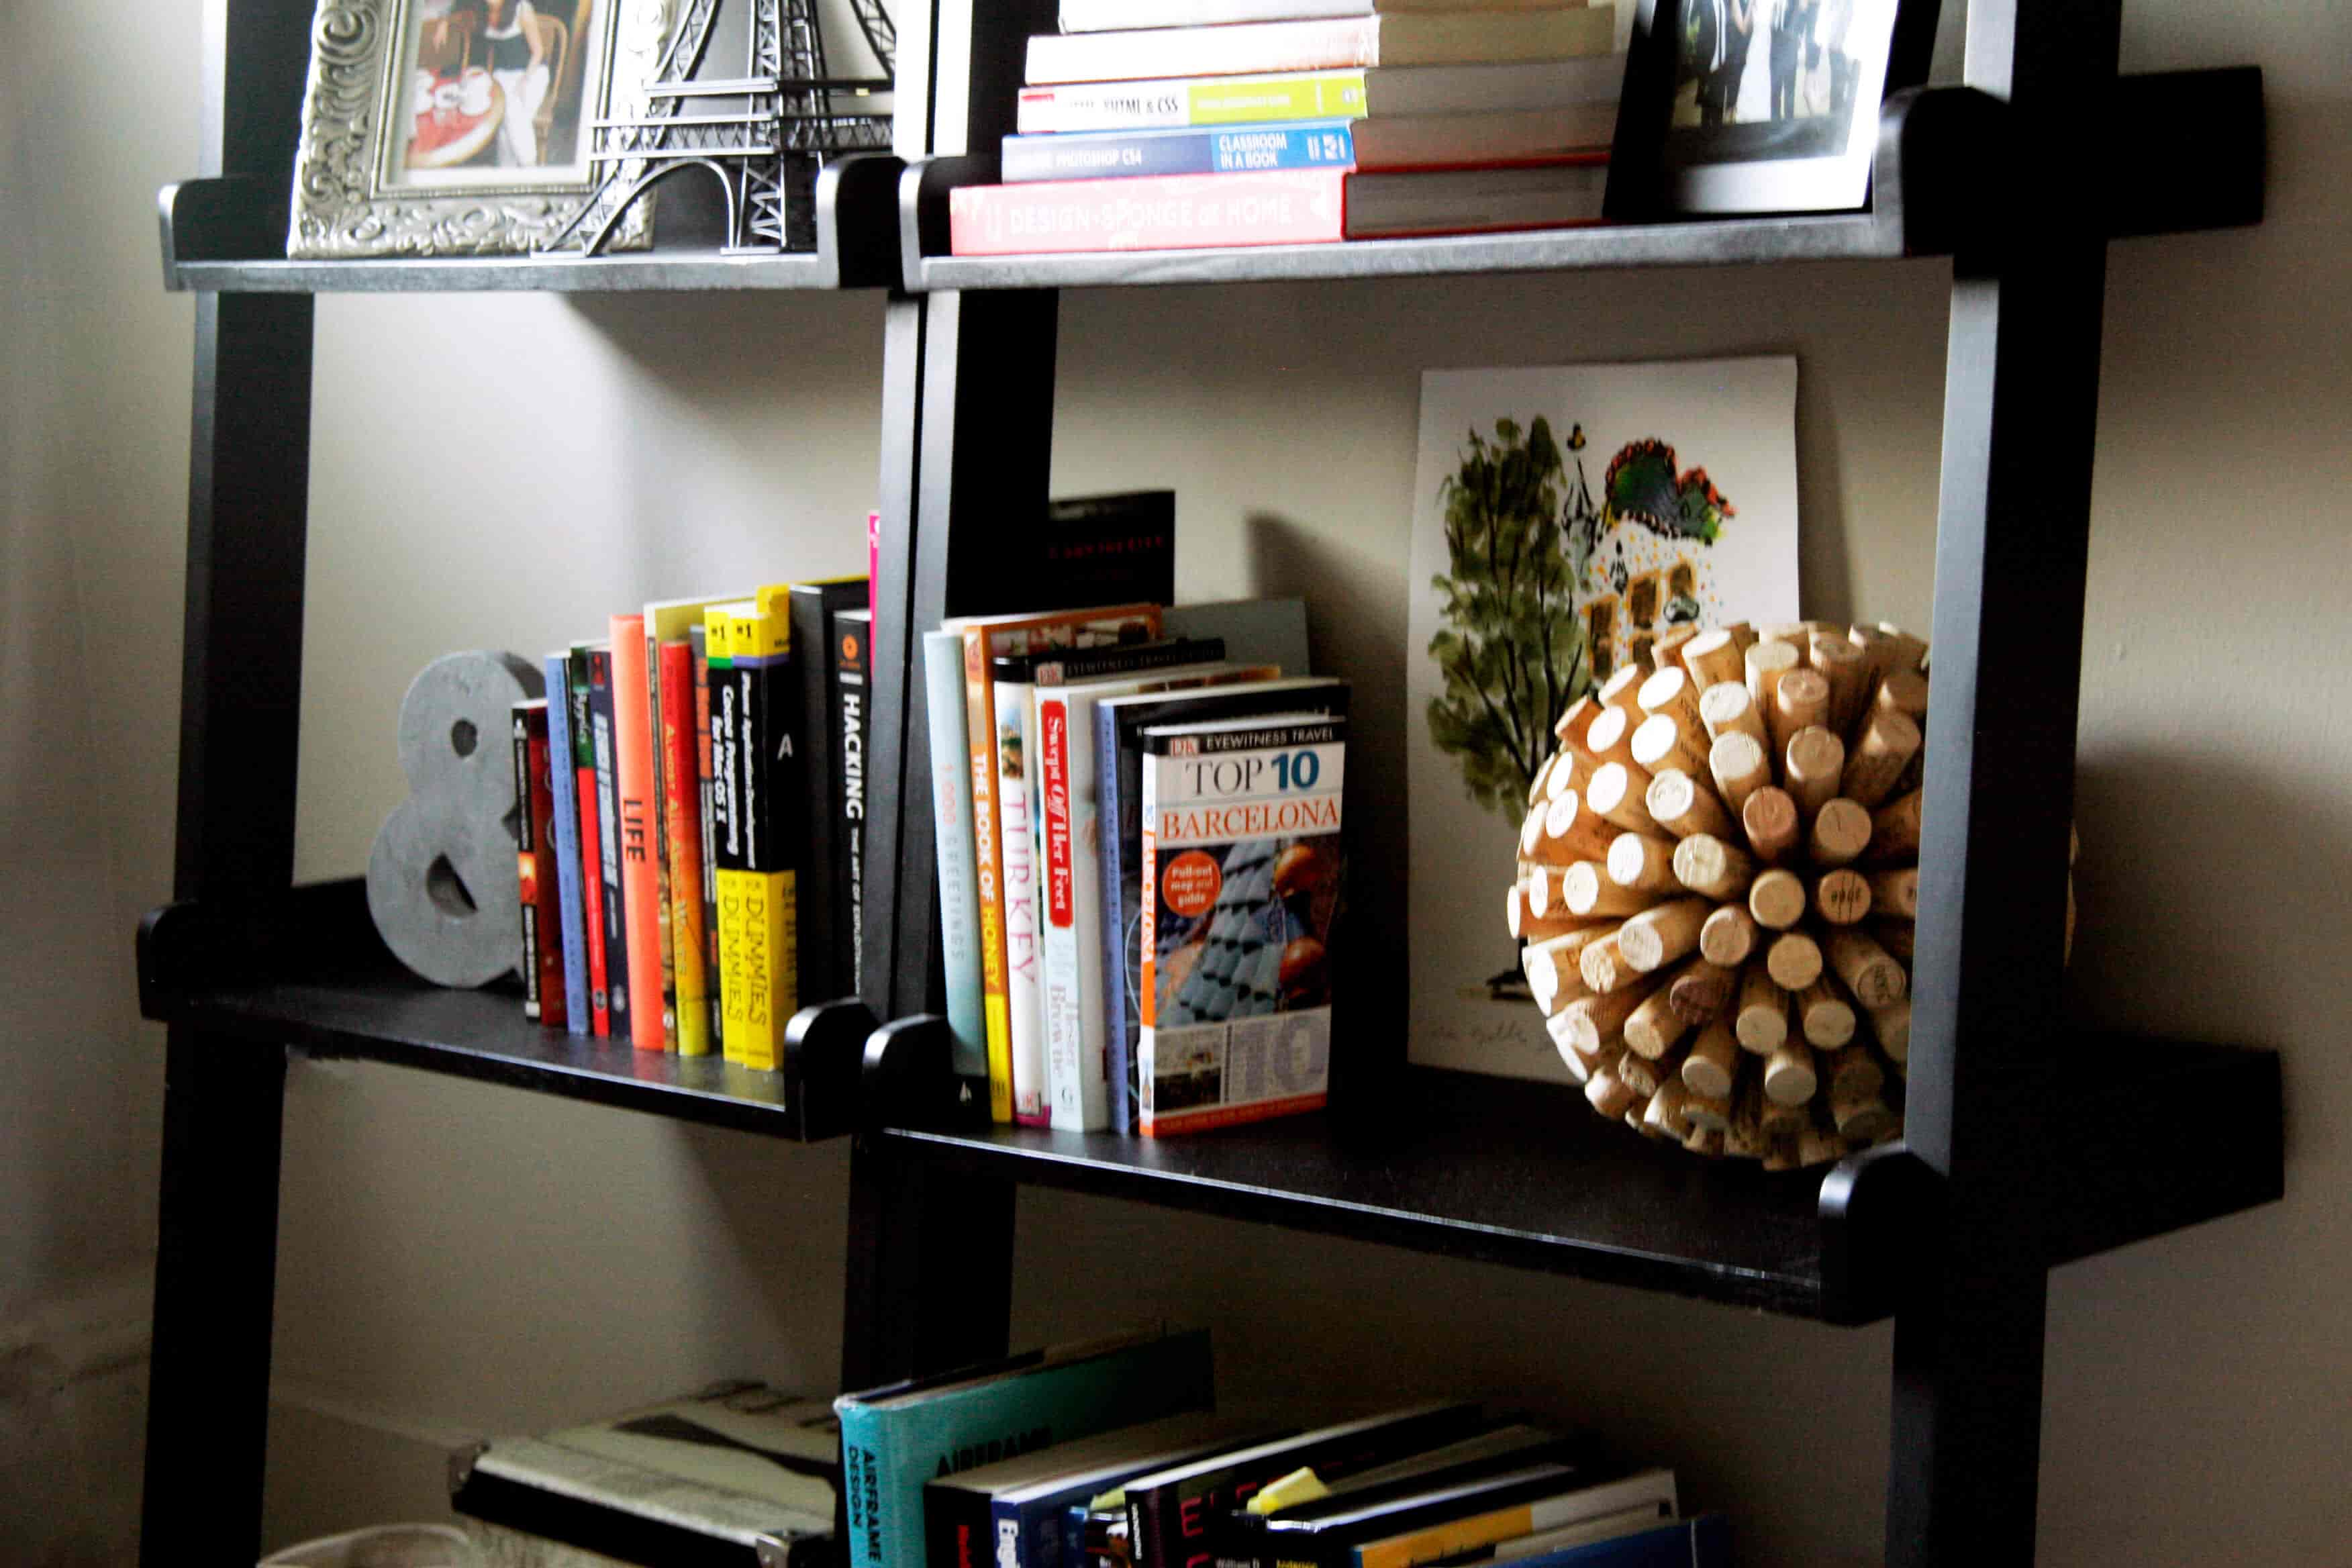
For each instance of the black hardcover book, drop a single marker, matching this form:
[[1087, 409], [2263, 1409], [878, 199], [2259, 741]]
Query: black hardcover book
[[825, 914], [608, 839], [1463, 1515], [1069, 666], [853, 643], [1110, 549]]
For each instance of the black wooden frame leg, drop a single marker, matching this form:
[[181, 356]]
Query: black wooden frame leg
[[216, 1283], [929, 1282]]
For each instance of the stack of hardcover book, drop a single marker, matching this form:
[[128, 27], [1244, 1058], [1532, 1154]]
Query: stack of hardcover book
[[1187, 124]]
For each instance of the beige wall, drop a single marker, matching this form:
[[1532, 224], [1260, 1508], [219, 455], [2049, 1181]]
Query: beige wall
[[503, 472]]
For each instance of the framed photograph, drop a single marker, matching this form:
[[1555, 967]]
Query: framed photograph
[[1759, 106], [463, 127]]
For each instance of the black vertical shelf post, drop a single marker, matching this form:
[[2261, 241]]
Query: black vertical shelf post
[[2021, 409], [967, 437], [215, 1265]]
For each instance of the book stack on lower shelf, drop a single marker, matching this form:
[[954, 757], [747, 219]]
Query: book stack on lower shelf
[[1188, 124]]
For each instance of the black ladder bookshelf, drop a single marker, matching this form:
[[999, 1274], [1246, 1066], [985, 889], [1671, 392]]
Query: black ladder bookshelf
[[1950, 1233]]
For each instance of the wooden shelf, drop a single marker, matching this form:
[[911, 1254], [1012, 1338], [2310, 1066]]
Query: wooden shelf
[[1523, 1173], [229, 235], [312, 974]]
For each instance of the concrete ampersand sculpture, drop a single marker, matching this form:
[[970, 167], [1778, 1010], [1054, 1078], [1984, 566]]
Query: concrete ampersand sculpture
[[442, 882]]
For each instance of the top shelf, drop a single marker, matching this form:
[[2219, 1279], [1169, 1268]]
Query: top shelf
[[2188, 154]]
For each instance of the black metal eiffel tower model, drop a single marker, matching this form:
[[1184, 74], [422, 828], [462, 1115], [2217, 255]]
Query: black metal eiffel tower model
[[762, 135]]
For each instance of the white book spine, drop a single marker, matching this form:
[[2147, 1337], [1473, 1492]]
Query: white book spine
[[1076, 1052], [1250, 48], [958, 858], [1016, 774]]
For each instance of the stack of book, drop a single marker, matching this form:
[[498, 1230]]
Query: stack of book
[[690, 810], [1185, 123], [1139, 828]]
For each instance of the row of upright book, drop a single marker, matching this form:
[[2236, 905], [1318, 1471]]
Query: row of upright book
[[1138, 817], [690, 809], [1185, 124], [1107, 1454]]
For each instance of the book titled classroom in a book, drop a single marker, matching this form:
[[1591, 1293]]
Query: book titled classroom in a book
[[1242, 871], [1161, 211]]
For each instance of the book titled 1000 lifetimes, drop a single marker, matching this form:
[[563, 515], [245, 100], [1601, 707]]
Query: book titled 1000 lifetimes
[[1242, 880]]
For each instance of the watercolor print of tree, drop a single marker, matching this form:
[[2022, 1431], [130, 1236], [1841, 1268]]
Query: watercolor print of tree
[[1510, 645]]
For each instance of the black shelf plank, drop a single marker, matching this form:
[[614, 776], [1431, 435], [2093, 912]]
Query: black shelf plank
[[1524, 1174], [311, 974], [229, 235]]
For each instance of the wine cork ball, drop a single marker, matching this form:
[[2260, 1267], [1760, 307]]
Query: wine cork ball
[[1891, 1026], [1540, 787], [1740, 766], [1652, 1029], [1616, 795], [1642, 862], [1776, 900], [1592, 1022], [1793, 961], [1814, 762], [1609, 1095], [1572, 832], [1911, 652], [1770, 817], [1709, 1115], [1708, 1071], [1646, 1077], [1662, 935], [1841, 897], [1574, 721], [1711, 867], [1665, 741], [1839, 833], [1854, 1074], [1620, 692], [1602, 965], [1665, 1111], [1801, 702], [1761, 1020], [1678, 803], [1728, 936], [1866, 1120], [1671, 691], [1667, 649]]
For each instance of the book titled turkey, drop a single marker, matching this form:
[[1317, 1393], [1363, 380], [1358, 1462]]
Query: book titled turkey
[[1242, 865], [542, 948], [1456, 38], [1204, 149], [1159, 212]]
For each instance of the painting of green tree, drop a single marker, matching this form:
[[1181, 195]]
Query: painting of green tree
[[1510, 645]]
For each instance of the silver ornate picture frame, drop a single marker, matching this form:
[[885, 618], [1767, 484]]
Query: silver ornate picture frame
[[464, 126]]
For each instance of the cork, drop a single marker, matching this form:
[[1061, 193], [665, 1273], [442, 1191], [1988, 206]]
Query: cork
[[1671, 691], [1729, 935], [1891, 1026], [1841, 897], [1874, 979], [1602, 965], [1665, 1111], [1642, 862], [1577, 718], [1725, 708], [1663, 934], [1770, 816], [1761, 1021], [1903, 691], [1777, 900], [1665, 740], [1824, 1016], [1740, 766], [1895, 892], [1764, 664], [1788, 1076], [1712, 657], [1678, 803], [1610, 737], [1711, 867], [1895, 829], [1801, 702], [1700, 991], [1882, 750], [1793, 961], [1813, 761], [1832, 655], [1652, 1028], [1616, 795], [1709, 1069], [1585, 888], [1839, 833]]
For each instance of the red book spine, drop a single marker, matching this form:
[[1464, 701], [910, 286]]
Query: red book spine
[[1155, 212], [536, 862], [638, 821]]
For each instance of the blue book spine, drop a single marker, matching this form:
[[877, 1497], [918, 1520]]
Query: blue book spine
[[1074, 1536], [563, 784], [1110, 814], [1185, 150], [1701, 1542], [959, 870], [889, 1449]]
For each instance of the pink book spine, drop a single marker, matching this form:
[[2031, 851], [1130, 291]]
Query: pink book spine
[[1161, 211]]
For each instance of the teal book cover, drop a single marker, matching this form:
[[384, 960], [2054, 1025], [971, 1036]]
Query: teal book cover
[[895, 1439]]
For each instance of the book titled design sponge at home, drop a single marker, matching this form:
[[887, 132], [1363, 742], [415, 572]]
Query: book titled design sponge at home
[[1243, 868], [895, 1438]]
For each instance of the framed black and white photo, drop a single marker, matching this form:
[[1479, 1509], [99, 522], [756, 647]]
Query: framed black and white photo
[[463, 127], [1759, 106]]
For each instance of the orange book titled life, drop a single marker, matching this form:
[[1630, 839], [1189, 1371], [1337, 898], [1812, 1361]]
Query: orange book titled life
[[639, 821]]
